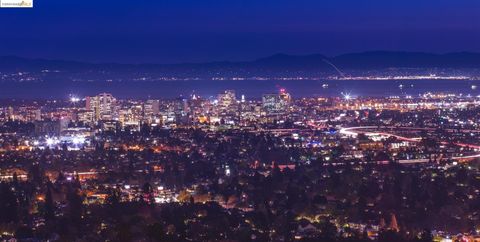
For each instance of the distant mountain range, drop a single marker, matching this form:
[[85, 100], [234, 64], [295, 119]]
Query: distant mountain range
[[373, 60]]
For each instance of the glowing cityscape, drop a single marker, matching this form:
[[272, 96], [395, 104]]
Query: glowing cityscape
[[240, 121]]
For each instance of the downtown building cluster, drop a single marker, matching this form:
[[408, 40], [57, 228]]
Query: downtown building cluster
[[276, 168]]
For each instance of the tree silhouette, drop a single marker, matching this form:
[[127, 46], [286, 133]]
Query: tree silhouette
[[49, 206], [8, 204]]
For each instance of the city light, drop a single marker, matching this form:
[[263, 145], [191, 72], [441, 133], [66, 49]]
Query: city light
[[74, 99], [51, 141], [78, 140], [346, 96], [240, 121], [127, 148]]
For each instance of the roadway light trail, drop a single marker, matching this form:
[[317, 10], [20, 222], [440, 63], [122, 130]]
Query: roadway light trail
[[354, 131]]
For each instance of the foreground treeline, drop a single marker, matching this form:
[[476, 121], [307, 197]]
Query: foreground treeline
[[60, 214]]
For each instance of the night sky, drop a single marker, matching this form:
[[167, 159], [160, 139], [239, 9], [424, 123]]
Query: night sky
[[172, 31]]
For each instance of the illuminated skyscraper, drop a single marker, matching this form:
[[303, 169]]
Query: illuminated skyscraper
[[151, 109], [285, 98], [276, 103], [227, 99], [271, 103], [103, 106]]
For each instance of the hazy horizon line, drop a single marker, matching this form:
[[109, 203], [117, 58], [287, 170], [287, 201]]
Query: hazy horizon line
[[233, 60]]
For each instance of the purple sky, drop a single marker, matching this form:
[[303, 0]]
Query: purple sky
[[171, 31]]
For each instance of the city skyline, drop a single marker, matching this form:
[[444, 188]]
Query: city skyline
[[398, 168], [240, 121]]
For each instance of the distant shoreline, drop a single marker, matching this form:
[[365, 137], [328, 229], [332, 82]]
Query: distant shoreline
[[56, 89]]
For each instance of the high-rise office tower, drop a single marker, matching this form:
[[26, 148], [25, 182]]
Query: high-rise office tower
[[103, 106]]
